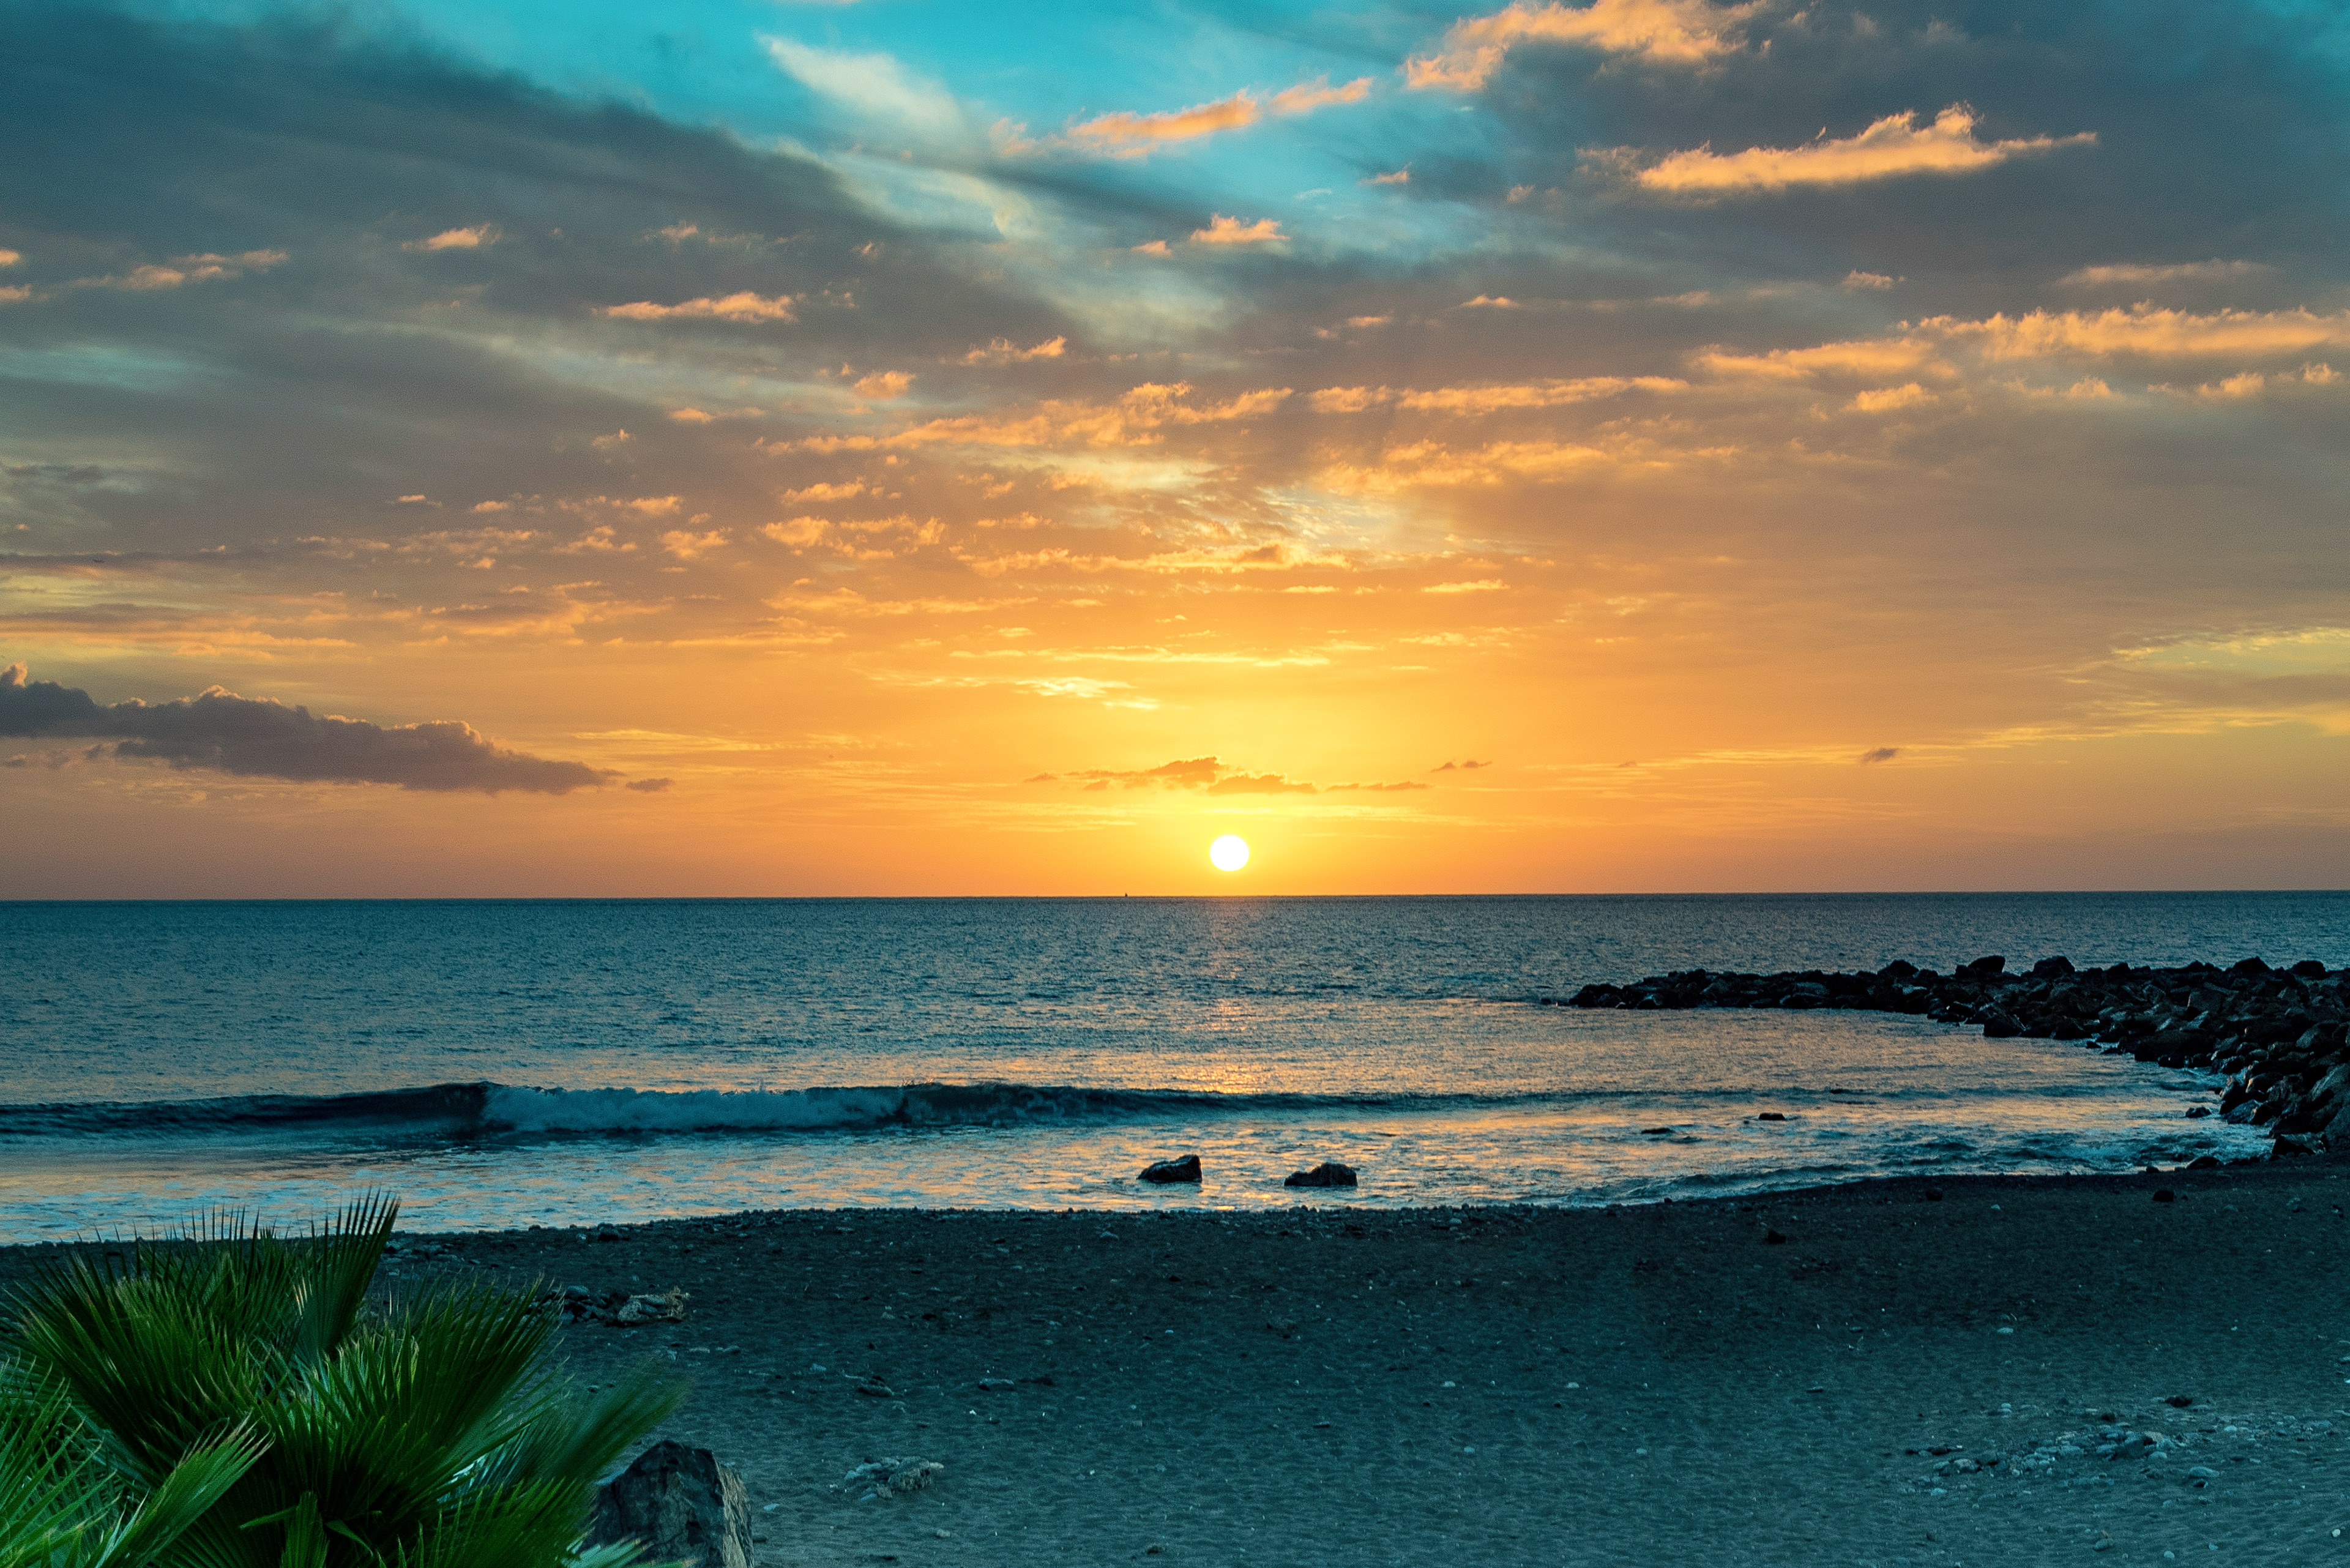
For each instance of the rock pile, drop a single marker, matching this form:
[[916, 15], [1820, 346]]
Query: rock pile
[[2279, 1033]]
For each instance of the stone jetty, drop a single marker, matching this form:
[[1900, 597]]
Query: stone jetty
[[2278, 1034]]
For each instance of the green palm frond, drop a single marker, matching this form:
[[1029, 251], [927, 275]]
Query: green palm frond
[[62, 1506], [430, 1432]]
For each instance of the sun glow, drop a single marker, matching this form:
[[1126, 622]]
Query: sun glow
[[1228, 853]]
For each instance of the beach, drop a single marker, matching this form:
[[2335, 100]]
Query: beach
[[1892, 1383]]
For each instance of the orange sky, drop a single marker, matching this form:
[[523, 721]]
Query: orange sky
[[1526, 459]]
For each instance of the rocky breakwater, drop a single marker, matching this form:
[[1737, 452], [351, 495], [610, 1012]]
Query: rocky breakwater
[[2278, 1034]]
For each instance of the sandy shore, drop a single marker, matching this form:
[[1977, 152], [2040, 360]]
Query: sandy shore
[[1641, 1385]]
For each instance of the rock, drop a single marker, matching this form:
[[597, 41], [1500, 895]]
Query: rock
[[1651, 1132], [2196, 1113], [669, 1306], [1329, 1173], [1998, 1025], [2164, 1195], [996, 1385], [1184, 1170], [2052, 967], [1933, 1195], [1772, 1239], [2204, 1162], [886, 1479], [681, 1504], [1982, 968], [1772, 1116], [2247, 966]]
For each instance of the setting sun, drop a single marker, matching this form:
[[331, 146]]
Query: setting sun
[[1228, 853]]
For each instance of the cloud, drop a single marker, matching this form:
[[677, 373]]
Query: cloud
[[2133, 275], [2150, 332], [1129, 135], [204, 268], [1490, 302], [1660, 32], [1400, 177], [883, 385], [649, 786], [876, 86], [688, 545], [470, 239], [1880, 754], [1462, 767], [1482, 585], [1152, 248], [743, 307], [256, 738], [1307, 97], [1205, 773], [1223, 231], [1125, 134], [1890, 148], [1884, 399], [825, 490], [1475, 400], [9, 257], [1877, 280], [1000, 351]]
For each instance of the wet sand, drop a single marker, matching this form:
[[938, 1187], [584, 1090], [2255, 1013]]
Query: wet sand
[[1637, 1386]]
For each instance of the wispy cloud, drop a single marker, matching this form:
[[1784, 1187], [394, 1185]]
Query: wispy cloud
[[1662, 31], [1889, 149], [469, 239], [1002, 351], [1125, 134], [2134, 274], [744, 306], [875, 87]]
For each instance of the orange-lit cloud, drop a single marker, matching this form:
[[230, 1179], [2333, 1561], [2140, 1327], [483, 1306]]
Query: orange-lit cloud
[[744, 306], [1663, 32], [1223, 231], [1889, 149]]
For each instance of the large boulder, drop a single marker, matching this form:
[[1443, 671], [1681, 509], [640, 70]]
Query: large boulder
[[681, 1504]]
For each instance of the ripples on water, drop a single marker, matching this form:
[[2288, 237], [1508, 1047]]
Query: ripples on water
[[662, 1058]]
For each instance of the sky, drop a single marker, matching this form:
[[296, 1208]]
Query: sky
[[744, 447]]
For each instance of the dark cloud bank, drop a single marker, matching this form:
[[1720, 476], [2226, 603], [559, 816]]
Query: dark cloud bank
[[255, 738]]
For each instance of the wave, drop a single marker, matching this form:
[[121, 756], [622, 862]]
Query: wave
[[484, 1110], [490, 1109]]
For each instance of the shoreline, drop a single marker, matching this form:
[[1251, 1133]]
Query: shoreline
[[1635, 1383]]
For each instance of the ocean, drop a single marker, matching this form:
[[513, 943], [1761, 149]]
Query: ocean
[[567, 1063]]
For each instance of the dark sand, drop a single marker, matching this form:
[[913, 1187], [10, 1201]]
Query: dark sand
[[1640, 1386]]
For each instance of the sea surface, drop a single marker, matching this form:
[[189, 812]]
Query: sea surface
[[567, 1062]]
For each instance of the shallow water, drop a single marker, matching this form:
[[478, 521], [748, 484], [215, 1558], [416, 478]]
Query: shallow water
[[648, 1059]]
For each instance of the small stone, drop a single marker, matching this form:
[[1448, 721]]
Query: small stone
[[2179, 1401], [996, 1385], [1772, 1239], [1184, 1170], [1772, 1116], [2164, 1195]]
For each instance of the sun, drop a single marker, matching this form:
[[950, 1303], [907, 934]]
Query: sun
[[1228, 853]]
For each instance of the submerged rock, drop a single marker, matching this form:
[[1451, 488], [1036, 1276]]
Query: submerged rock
[[1329, 1173], [1184, 1170]]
